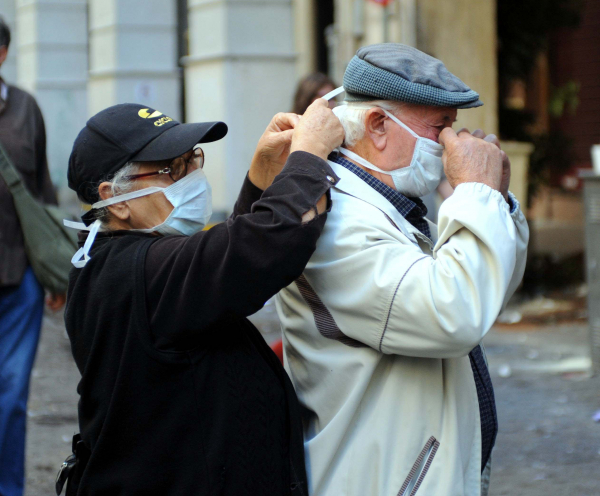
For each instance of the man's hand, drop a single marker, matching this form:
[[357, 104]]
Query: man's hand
[[319, 131], [272, 150], [55, 302], [475, 158], [492, 138]]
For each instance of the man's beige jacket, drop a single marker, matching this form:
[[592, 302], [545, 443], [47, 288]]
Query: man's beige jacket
[[377, 334]]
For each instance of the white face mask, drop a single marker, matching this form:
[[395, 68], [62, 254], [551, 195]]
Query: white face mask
[[425, 171], [191, 198]]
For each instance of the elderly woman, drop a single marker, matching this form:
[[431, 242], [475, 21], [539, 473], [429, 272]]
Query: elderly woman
[[179, 393]]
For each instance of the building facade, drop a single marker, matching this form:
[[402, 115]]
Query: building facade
[[231, 60]]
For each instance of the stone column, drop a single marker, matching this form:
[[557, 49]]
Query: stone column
[[241, 70], [304, 36], [52, 65], [133, 54], [9, 68], [462, 33]]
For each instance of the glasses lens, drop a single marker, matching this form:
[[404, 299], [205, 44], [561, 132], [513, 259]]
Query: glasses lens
[[179, 166], [178, 169], [198, 157]]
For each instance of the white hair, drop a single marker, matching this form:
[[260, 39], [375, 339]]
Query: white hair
[[119, 186], [352, 116]]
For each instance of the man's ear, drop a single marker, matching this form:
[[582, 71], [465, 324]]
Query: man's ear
[[375, 127], [119, 210], [3, 53]]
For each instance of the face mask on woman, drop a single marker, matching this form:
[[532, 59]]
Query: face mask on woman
[[425, 171], [191, 198]]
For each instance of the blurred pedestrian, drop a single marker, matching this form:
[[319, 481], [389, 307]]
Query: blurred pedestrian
[[179, 393], [382, 332], [310, 88], [23, 136]]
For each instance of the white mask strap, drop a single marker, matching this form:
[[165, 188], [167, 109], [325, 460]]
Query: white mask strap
[[359, 160], [127, 196], [400, 123], [82, 256], [333, 93]]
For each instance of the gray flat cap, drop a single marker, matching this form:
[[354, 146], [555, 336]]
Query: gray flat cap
[[392, 71]]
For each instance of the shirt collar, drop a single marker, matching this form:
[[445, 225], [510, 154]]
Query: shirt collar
[[407, 207]]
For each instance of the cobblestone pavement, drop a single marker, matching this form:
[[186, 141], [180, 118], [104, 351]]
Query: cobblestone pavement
[[548, 443]]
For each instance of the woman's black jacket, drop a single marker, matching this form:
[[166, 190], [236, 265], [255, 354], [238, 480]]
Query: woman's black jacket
[[179, 394]]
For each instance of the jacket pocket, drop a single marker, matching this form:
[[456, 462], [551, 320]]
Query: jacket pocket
[[419, 469]]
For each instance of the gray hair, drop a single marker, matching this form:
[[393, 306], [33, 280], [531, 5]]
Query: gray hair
[[4, 33], [119, 186], [352, 116]]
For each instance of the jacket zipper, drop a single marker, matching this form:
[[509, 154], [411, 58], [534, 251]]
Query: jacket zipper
[[419, 470]]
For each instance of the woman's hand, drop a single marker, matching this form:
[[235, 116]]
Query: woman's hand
[[55, 301], [272, 150], [319, 131]]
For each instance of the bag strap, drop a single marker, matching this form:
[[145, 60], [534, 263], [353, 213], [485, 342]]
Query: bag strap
[[8, 172]]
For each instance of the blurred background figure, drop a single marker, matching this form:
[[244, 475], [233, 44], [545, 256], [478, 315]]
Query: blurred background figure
[[310, 88], [23, 136]]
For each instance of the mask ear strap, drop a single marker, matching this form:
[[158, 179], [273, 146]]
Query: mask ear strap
[[400, 123], [358, 159], [127, 196], [82, 256], [333, 93]]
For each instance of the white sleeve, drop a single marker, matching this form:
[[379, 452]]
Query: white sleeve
[[394, 298]]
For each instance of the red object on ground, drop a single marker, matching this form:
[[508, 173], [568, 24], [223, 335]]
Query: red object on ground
[[277, 347], [382, 2]]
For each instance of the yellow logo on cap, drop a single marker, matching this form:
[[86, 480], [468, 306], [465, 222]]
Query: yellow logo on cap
[[145, 114]]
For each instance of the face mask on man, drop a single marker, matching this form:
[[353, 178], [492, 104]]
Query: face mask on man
[[191, 198], [425, 171]]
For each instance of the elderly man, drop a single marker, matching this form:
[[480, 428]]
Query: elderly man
[[382, 332]]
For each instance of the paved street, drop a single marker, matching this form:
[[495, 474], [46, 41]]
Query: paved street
[[548, 443]]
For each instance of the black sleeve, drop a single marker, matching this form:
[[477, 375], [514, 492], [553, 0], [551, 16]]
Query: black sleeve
[[249, 194], [232, 269]]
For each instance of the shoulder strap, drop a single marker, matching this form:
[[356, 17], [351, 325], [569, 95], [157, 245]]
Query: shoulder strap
[[8, 171]]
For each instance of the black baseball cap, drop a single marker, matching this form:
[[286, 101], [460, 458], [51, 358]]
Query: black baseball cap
[[130, 132]]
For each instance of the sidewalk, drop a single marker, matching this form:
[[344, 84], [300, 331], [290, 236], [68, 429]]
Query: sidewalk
[[548, 443]]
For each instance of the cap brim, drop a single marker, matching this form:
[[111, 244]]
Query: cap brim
[[476, 103], [180, 139]]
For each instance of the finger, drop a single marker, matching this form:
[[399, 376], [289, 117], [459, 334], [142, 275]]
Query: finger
[[284, 121], [492, 138], [479, 133], [318, 103], [281, 139], [447, 136], [463, 130], [505, 159]]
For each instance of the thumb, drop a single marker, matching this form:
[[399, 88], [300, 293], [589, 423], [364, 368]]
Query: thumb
[[282, 138], [319, 102], [447, 136]]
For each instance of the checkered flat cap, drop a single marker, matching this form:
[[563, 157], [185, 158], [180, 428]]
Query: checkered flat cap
[[392, 71]]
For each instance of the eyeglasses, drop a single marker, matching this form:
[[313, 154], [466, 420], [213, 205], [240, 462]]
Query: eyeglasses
[[178, 167]]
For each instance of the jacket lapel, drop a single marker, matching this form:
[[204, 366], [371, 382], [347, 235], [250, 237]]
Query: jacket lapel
[[352, 185]]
